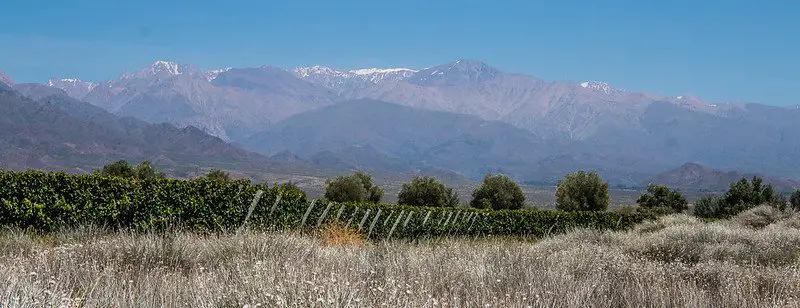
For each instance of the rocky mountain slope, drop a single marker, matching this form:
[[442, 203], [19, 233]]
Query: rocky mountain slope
[[228, 103], [75, 88], [629, 136], [52, 131]]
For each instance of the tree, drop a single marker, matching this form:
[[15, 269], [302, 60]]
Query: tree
[[218, 175], [659, 196], [751, 193], [498, 192], [118, 168], [356, 187], [427, 191], [582, 191], [123, 169], [145, 171], [794, 200]]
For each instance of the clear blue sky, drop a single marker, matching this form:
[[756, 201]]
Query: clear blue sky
[[719, 50]]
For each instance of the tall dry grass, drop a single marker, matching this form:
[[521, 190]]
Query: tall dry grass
[[675, 262]]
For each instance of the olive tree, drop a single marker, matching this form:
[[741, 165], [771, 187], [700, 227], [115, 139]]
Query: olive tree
[[582, 191], [427, 191], [142, 171], [498, 192], [356, 187]]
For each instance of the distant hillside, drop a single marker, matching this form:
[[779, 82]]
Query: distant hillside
[[693, 177], [383, 136], [60, 133]]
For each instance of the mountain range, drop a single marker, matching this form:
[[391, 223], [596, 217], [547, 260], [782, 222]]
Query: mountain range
[[43, 128], [464, 118]]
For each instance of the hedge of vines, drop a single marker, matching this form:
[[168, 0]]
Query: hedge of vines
[[47, 201]]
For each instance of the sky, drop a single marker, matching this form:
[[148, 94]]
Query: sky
[[721, 51]]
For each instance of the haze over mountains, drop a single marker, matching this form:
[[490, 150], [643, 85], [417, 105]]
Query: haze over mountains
[[464, 117]]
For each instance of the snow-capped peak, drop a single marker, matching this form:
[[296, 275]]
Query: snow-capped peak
[[372, 75], [370, 71], [164, 66], [318, 70], [159, 69], [212, 74], [376, 75], [599, 86]]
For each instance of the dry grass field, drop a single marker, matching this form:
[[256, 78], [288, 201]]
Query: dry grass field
[[752, 260]]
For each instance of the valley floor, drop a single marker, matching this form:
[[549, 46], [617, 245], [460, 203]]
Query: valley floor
[[675, 262]]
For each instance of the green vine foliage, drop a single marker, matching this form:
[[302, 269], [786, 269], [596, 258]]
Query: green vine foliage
[[48, 201]]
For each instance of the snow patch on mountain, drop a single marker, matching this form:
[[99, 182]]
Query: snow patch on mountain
[[695, 103], [4, 78], [164, 66], [369, 71], [212, 74], [599, 86], [160, 69], [336, 79], [63, 82], [74, 87], [305, 72]]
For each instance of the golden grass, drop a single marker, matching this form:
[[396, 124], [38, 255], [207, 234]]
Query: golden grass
[[675, 262]]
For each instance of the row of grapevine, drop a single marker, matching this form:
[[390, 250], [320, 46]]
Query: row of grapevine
[[48, 200]]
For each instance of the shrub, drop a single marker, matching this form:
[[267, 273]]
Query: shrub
[[218, 175], [582, 191], [655, 212], [427, 191], [356, 187], [707, 207], [794, 200], [498, 192], [626, 209], [760, 216], [659, 196], [779, 202], [741, 196], [666, 221], [336, 234], [718, 207]]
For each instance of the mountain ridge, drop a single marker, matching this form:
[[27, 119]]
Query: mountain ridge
[[56, 132], [628, 135]]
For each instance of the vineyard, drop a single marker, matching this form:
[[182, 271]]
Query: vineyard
[[48, 201]]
